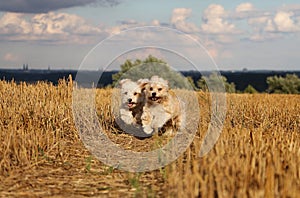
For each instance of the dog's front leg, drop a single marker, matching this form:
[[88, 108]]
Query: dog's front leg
[[147, 121], [126, 116]]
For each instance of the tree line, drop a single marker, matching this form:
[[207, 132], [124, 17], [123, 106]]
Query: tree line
[[288, 84]]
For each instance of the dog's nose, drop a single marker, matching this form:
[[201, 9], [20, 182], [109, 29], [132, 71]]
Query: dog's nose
[[129, 100], [153, 94]]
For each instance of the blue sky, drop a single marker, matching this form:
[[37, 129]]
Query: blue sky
[[237, 34]]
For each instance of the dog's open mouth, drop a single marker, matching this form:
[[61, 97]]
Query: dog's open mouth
[[154, 98], [131, 104]]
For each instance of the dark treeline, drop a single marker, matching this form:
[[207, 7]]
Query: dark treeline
[[240, 78]]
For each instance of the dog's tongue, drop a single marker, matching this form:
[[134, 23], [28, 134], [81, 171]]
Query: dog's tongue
[[130, 104]]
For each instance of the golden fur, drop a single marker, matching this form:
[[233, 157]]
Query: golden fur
[[162, 106]]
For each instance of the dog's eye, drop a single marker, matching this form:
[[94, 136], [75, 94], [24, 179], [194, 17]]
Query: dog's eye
[[151, 88], [126, 93], [159, 89], [135, 93]]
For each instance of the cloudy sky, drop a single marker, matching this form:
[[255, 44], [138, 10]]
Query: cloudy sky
[[259, 34]]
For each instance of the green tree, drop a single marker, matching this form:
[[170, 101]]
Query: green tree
[[140, 69], [129, 65], [126, 66], [250, 89], [290, 84], [152, 59], [215, 81]]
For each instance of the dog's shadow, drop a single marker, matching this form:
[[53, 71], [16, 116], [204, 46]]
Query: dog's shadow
[[134, 130], [137, 130]]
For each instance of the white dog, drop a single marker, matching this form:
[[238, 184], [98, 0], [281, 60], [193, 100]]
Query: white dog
[[132, 100], [161, 107]]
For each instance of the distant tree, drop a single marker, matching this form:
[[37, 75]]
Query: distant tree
[[215, 81], [290, 84], [250, 89], [147, 68], [230, 87], [128, 65], [152, 59]]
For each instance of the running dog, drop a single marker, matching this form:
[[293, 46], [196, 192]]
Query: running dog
[[132, 100], [161, 107]]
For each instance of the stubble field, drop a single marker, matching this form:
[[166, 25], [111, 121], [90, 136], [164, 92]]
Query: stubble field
[[41, 154]]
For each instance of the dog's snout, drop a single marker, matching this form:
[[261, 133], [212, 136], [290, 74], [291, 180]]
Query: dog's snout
[[129, 100], [153, 94]]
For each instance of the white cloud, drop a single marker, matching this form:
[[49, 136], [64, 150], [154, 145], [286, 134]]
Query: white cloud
[[62, 23], [179, 20], [284, 23], [263, 29], [214, 21], [51, 26], [245, 7], [214, 11], [272, 25], [123, 25], [245, 11], [12, 23], [281, 22], [180, 15]]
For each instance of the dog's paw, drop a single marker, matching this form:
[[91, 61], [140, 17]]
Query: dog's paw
[[147, 129]]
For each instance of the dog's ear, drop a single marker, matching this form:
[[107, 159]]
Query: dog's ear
[[124, 81], [143, 87], [143, 83]]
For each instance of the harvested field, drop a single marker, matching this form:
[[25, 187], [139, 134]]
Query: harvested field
[[41, 155]]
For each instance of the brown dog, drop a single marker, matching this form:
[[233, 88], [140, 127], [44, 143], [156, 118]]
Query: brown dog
[[161, 107]]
